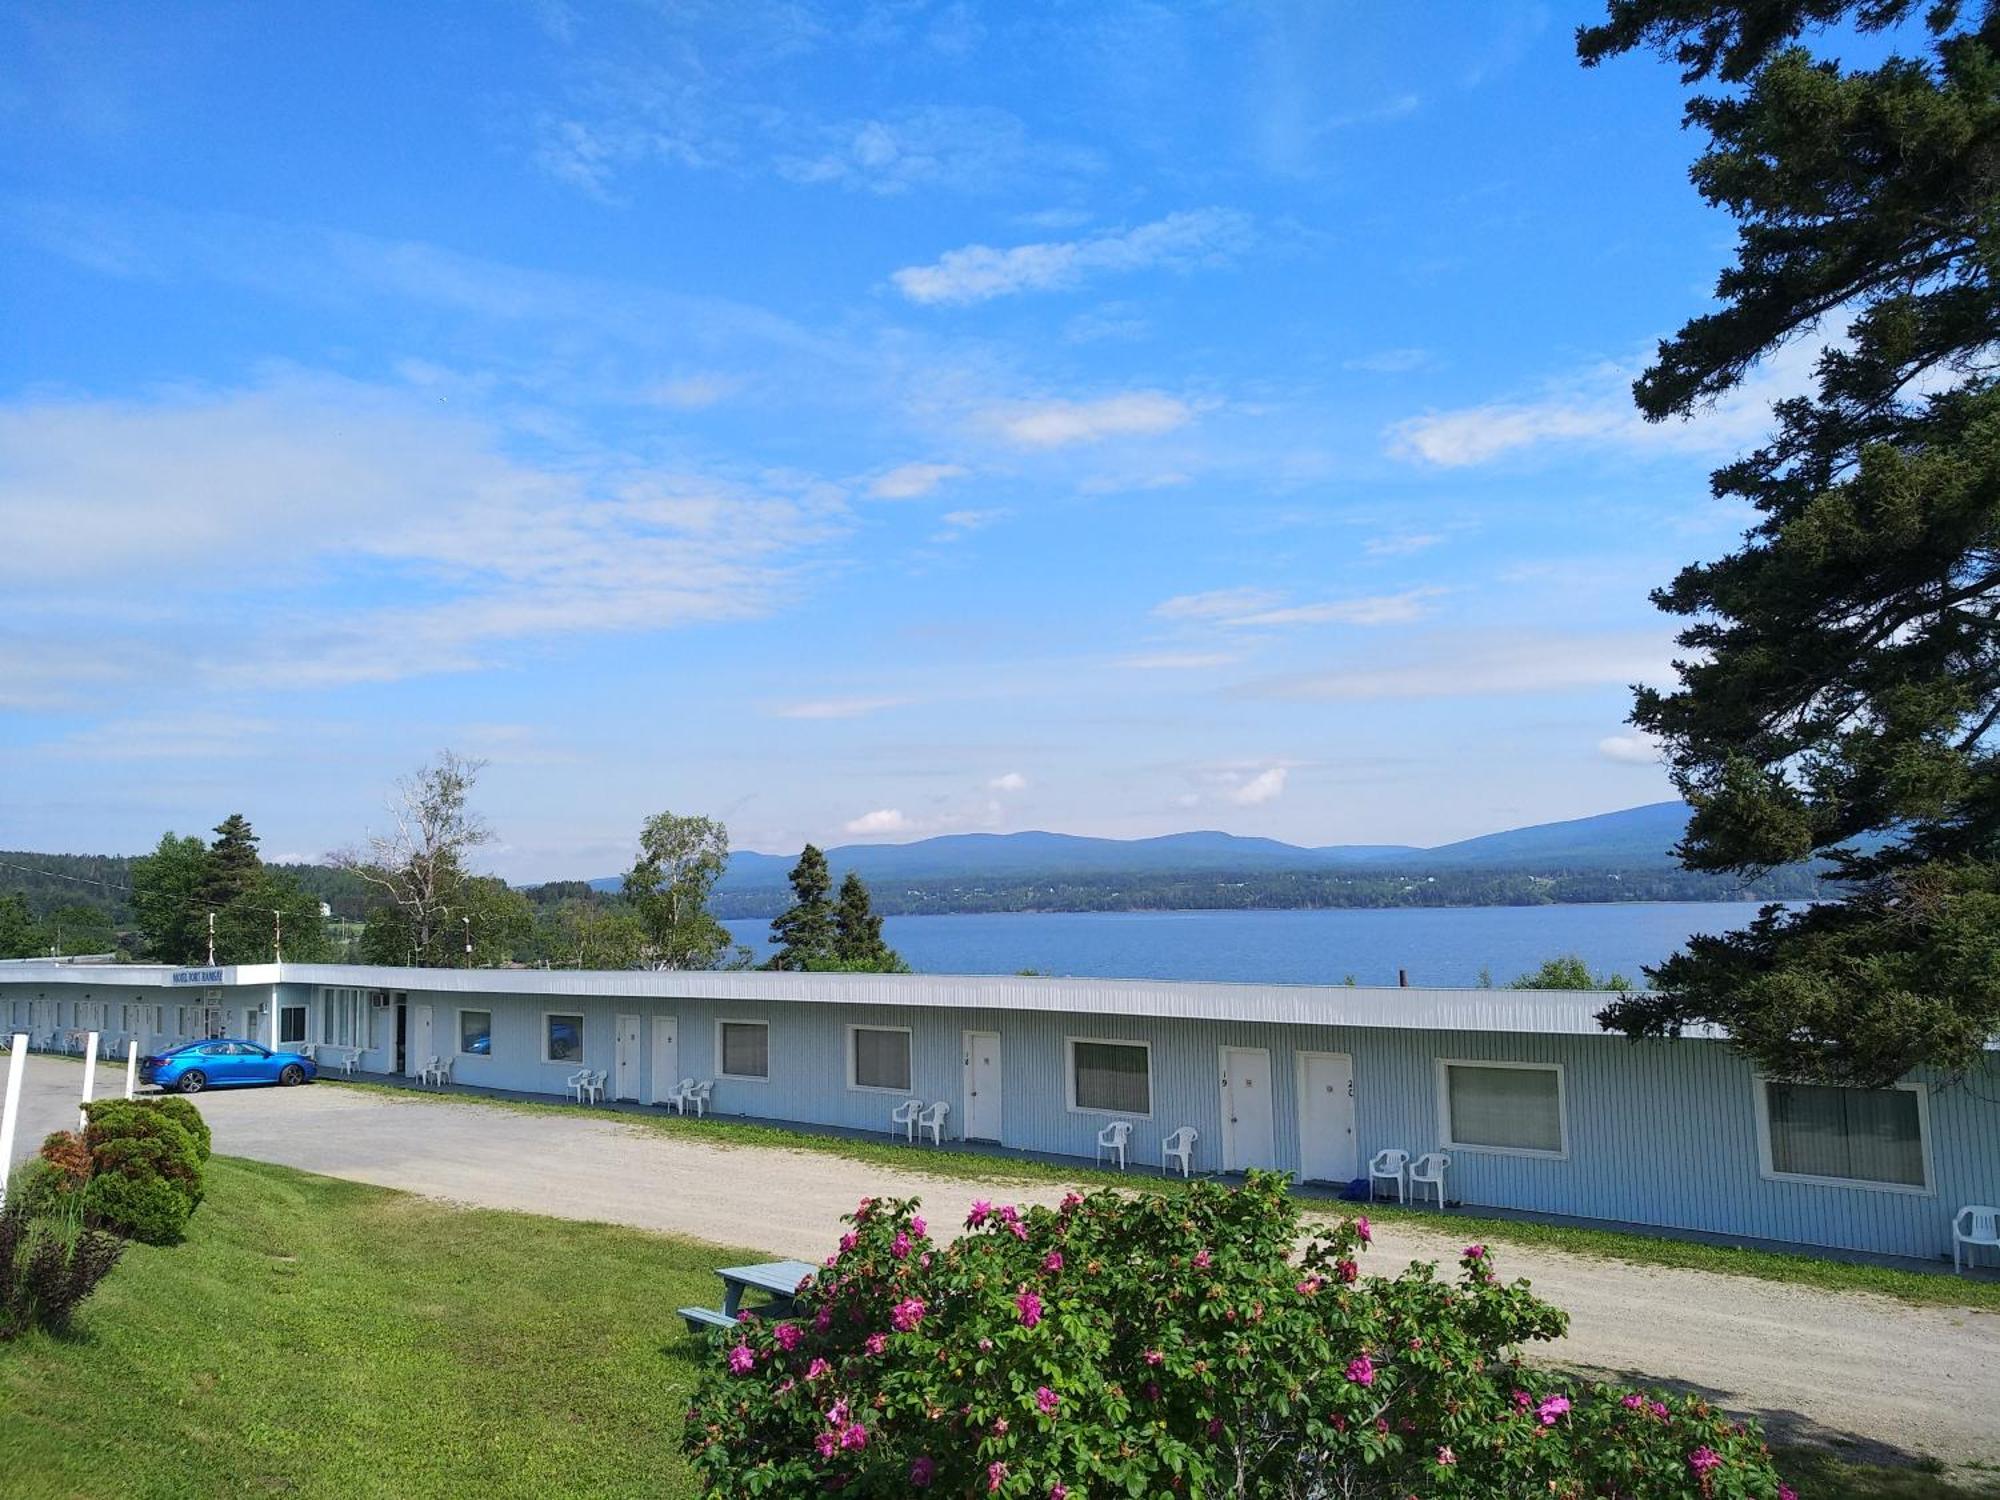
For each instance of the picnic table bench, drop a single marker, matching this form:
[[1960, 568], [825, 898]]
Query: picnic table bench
[[779, 1278]]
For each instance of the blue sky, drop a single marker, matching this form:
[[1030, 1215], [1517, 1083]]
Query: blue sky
[[859, 421]]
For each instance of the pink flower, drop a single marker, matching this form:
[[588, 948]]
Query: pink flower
[[827, 1443], [823, 1320], [876, 1343], [1659, 1409], [1008, 1213], [1552, 1408], [817, 1368], [1203, 1260], [855, 1436], [1786, 1492], [1361, 1370], [1019, 1230], [1058, 1492], [1052, 1262], [917, 1226], [741, 1360], [1309, 1286], [1047, 1400], [1634, 1401], [1215, 1427], [1030, 1307], [923, 1471], [848, 1241], [1363, 1228], [1703, 1459], [1447, 1457], [1522, 1400], [906, 1315], [1154, 1357], [1070, 1201], [981, 1211], [1475, 1252], [1152, 1390], [900, 1246], [1346, 1270], [836, 1414], [996, 1475], [924, 1260], [788, 1336]]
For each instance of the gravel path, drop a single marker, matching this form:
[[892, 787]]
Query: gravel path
[[1877, 1378]]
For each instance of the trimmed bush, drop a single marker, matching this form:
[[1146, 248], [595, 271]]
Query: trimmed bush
[[67, 1155], [144, 1206], [169, 1106], [38, 1187], [1183, 1345], [48, 1266], [145, 1170]]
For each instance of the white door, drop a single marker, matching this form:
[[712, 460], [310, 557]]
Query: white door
[[982, 1085], [1247, 1136], [666, 1056], [419, 1055], [1326, 1117], [625, 1083]]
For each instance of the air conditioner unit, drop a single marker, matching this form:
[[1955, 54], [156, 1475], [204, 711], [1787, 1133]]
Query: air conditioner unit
[[379, 999]]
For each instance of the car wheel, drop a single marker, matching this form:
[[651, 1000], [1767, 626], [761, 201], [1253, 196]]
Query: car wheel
[[291, 1075], [193, 1081]]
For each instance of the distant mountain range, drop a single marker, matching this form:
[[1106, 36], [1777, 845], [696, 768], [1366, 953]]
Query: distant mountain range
[[1638, 838]]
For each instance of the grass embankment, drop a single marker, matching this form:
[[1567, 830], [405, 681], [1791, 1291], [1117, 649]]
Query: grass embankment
[[1918, 1288], [322, 1338]]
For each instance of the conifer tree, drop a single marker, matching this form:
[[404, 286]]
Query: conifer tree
[[857, 933], [804, 930]]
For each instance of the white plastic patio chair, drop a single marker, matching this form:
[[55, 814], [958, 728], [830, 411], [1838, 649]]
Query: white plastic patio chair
[[905, 1115], [1111, 1140], [1972, 1227], [433, 1071], [441, 1070], [1394, 1165], [1179, 1147], [677, 1095], [577, 1082], [1429, 1170], [931, 1122], [699, 1090], [593, 1086]]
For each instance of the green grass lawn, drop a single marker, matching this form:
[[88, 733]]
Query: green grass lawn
[[1915, 1287], [322, 1338]]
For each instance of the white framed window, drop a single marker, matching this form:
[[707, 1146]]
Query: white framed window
[[743, 1050], [1109, 1077], [562, 1037], [878, 1058], [344, 1017], [1879, 1139], [291, 1025], [1510, 1108], [475, 1033]]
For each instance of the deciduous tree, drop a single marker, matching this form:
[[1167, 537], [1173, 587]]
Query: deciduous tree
[[680, 859], [419, 869]]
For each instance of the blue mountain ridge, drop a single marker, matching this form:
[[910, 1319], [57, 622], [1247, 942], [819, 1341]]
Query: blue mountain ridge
[[1634, 838]]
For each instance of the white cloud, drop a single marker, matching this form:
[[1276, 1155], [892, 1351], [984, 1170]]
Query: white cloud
[[978, 273], [692, 392], [967, 149], [1390, 361], [1013, 781], [1636, 749], [959, 523], [836, 708], [912, 481], [1486, 666], [882, 820], [1264, 609], [1264, 787], [1217, 604], [1402, 544], [1056, 424], [1595, 408], [1178, 661]]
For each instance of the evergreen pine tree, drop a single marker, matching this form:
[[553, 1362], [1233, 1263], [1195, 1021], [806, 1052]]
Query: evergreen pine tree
[[857, 932], [234, 866], [804, 930]]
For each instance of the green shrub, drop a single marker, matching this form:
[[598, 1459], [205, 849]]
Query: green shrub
[[183, 1111], [130, 1140], [48, 1265], [67, 1155], [39, 1187], [145, 1207]]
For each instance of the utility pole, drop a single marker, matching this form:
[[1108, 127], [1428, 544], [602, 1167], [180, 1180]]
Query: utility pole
[[468, 940], [211, 939], [277, 936]]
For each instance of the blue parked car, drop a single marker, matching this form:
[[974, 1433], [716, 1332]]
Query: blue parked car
[[223, 1062]]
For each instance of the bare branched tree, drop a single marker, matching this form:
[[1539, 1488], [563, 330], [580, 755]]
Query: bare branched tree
[[421, 865]]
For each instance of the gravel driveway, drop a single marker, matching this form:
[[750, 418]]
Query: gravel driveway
[[1875, 1377]]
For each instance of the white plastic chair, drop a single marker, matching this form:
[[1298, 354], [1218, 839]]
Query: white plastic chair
[[593, 1086], [1111, 1140], [1394, 1165], [699, 1090], [1973, 1226], [931, 1122], [677, 1096], [577, 1082], [1429, 1170], [437, 1071], [905, 1115], [1179, 1147]]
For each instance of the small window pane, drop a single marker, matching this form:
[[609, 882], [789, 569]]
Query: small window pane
[[291, 1023], [881, 1058], [1113, 1076], [475, 1031], [1518, 1109], [746, 1049], [1863, 1135], [565, 1038]]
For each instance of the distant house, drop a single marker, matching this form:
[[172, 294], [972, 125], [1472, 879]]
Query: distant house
[[1540, 1111]]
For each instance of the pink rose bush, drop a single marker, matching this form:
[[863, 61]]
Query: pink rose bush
[[1179, 1345]]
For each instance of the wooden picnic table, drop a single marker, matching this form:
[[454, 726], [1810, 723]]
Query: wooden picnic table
[[780, 1278]]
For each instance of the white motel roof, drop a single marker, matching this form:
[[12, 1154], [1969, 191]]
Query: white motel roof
[[1557, 1012]]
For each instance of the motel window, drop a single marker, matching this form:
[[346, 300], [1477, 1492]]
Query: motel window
[[1515, 1107], [291, 1024], [745, 1049], [1112, 1077], [475, 1032], [344, 1018], [879, 1058], [562, 1039], [1873, 1137]]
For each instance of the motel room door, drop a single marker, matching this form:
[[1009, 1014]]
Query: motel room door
[[982, 1085], [419, 1051], [666, 1057], [1326, 1118], [1248, 1138], [625, 1068]]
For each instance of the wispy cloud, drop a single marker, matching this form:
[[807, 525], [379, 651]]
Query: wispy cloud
[[1266, 786], [912, 481], [881, 820], [1178, 661], [836, 708], [962, 148], [1012, 781], [978, 273], [1402, 543], [958, 523], [1635, 749], [1057, 424], [1258, 608], [1390, 361], [1217, 604], [1485, 666]]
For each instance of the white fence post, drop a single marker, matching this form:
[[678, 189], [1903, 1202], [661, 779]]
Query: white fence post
[[131, 1069], [89, 1081], [17, 1059]]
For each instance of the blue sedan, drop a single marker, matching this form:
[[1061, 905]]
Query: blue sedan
[[223, 1062]]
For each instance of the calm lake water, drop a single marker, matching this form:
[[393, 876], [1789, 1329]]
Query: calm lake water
[[1438, 945]]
